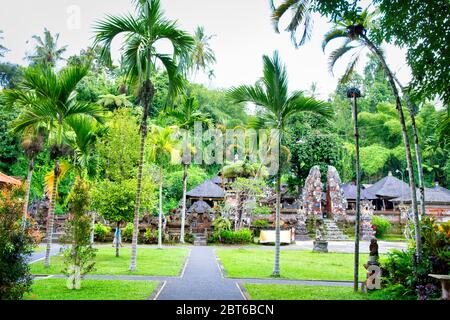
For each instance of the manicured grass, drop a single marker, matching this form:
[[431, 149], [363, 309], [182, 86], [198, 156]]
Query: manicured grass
[[392, 237], [55, 289], [39, 249], [295, 264], [301, 292], [150, 261]]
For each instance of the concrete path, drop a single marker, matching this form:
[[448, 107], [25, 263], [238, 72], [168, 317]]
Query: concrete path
[[38, 256], [201, 280]]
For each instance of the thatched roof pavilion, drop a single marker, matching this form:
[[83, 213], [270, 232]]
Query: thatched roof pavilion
[[350, 192], [389, 187], [207, 190], [432, 196]]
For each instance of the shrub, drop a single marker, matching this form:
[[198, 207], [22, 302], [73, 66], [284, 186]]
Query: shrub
[[381, 225], [79, 258], [151, 236], [127, 232], [15, 246], [236, 237], [405, 278], [261, 223], [262, 210], [101, 231]]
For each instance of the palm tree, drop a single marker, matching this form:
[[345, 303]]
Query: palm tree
[[162, 143], [301, 15], [32, 144], [142, 31], [3, 50], [185, 116], [46, 52], [354, 33], [278, 105], [49, 99], [202, 56], [418, 151]]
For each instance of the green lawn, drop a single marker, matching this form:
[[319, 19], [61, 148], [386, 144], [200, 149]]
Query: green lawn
[[392, 237], [39, 249], [301, 292], [295, 264], [55, 289], [150, 261]]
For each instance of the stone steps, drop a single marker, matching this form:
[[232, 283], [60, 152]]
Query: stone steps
[[333, 232], [200, 239]]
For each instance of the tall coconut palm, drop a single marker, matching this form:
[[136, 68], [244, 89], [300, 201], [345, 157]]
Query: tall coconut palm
[[49, 99], [142, 32], [418, 151], [46, 53], [278, 105], [300, 24], [202, 55], [354, 33], [162, 143], [32, 144], [185, 116], [3, 50]]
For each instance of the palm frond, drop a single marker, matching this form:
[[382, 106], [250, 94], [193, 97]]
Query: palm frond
[[64, 167], [339, 53], [333, 34]]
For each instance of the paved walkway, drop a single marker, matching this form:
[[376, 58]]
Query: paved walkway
[[201, 280], [38, 256]]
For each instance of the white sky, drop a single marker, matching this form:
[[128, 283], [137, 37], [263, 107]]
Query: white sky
[[243, 34]]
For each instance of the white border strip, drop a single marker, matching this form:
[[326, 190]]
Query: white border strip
[[160, 290], [240, 290]]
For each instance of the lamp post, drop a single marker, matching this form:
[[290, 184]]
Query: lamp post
[[354, 94]]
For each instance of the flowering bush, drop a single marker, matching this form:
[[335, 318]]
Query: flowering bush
[[16, 244], [405, 278]]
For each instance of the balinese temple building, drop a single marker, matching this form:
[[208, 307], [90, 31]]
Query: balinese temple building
[[200, 202], [350, 195], [208, 191], [385, 190], [437, 202]]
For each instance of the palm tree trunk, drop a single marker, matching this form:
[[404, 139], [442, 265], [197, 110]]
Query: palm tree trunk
[[183, 209], [92, 228], [160, 216], [27, 194], [148, 97], [51, 216], [358, 196], [412, 183], [416, 146], [276, 268]]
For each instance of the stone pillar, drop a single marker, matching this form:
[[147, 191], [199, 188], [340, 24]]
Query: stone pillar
[[300, 228], [336, 201], [366, 217], [312, 196]]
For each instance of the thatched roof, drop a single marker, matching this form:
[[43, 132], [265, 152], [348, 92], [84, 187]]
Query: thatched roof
[[207, 189], [389, 187], [432, 196], [199, 207], [9, 180], [437, 187], [350, 192]]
